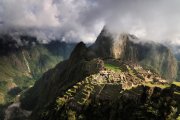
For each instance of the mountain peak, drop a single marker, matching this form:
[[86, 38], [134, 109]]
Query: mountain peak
[[111, 45], [127, 47], [79, 52]]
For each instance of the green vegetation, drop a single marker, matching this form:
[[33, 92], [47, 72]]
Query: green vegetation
[[60, 102], [177, 93], [156, 85], [19, 69], [178, 117], [176, 83], [71, 115], [2, 98], [112, 67]]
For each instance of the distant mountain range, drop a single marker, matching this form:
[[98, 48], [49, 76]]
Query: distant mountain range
[[23, 60]]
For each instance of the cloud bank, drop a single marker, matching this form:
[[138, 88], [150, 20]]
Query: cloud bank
[[82, 20]]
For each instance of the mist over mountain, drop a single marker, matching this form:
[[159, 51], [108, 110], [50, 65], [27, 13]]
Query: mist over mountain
[[83, 20]]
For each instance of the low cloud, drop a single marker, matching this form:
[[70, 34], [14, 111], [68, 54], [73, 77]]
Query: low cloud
[[82, 20]]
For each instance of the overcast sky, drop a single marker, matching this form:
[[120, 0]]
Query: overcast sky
[[76, 20]]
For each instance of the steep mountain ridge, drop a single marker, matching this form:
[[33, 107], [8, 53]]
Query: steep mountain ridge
[[64, 77], [129, 48]]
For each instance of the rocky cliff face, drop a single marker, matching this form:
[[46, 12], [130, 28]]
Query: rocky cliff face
[[129, 48]]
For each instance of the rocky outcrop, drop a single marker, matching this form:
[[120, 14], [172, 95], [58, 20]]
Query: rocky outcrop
[[110, 45], [14, 112]]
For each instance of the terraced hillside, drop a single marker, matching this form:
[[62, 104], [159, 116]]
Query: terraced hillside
[[112, 92], [107, 84]]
